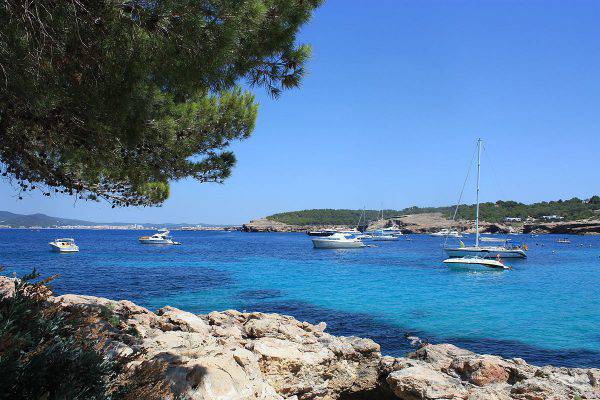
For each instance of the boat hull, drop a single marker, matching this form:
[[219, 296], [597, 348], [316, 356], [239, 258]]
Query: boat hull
[[385, 238], [475, 263], [319, 233], [333, 244], [155, 241], [62, 249], [485, 252]]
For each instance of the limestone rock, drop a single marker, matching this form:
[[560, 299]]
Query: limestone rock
[[418, 382], [232, 355]]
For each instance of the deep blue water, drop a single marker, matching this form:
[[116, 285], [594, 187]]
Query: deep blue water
[[546, 310]]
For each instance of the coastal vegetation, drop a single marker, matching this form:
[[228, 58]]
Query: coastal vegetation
[[114, 99], [567, 210]]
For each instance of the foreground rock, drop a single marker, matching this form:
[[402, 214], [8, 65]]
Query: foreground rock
[[234, 356]]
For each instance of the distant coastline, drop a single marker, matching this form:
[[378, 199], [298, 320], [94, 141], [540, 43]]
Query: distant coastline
[[127, 227], [10, 220], [427, 223]]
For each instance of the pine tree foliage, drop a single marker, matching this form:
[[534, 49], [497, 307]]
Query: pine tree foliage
[[114, 99]]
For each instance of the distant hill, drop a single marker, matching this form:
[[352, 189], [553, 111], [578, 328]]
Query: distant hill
[[18, 220], [570, 210], [45, 221]]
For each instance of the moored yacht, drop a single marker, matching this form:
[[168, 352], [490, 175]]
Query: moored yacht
[[160, 237], [64, 245], [337, 241], [486, 251], [477, 250], [392, 230], [383, 236], [446, 233]]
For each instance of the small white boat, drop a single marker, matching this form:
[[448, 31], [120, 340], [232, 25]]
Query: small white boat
[[161, 237], [64, 245], [565, 241], [381, 235], [476, 262], [354, 232], [392, 230], [446, 233], [337, 241]]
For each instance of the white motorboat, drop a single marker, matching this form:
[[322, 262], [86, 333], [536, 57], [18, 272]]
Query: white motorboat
[[476, 262], [484, 251], [383, 233], [64, 245], [382, 236], [337, 241], [446, 233], [354, 232], [161, 237], [392, 230]]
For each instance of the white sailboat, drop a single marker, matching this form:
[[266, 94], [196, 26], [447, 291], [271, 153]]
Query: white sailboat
[[478, 252]]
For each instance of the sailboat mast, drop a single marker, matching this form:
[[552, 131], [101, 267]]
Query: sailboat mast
[[477, 196]]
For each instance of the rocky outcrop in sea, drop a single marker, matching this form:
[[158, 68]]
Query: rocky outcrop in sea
[[234, 355]]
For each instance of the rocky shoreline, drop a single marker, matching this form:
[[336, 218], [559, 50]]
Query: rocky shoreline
[[234, 355], [434, 222]]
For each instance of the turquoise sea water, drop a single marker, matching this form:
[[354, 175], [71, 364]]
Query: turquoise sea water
[[545, 310]]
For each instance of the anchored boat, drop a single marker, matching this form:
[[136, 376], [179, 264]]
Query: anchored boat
[[501, 249], [477, 250], [446, 233], [337, 241], [381, 235], [64, 245], [476, 262], [161, 237]]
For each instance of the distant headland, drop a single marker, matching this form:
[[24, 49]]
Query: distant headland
[[574, 216]]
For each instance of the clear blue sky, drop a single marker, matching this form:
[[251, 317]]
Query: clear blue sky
[[396, 93]]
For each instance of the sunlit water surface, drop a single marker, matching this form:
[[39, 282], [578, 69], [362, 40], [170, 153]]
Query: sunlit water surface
[[545, 310]]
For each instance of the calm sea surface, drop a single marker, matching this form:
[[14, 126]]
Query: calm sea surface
[[546, 310]]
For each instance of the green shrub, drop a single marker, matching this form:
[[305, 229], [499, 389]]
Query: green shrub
[[48, 351]]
